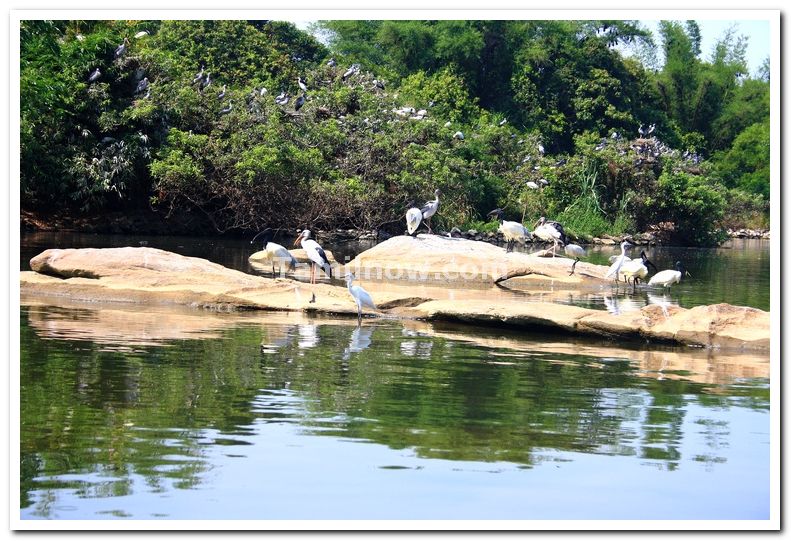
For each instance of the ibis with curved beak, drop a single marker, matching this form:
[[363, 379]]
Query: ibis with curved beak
[[636, 269], [667, 278], [275, 251], [512, 231], [550, 231], [315, 253], [361, 297], [430, 208], [576, 251]]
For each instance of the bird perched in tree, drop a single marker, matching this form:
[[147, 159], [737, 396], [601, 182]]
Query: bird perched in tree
[[301, 84], [458, 135], [221, 95], [198, 76], [227, 109], [142, 85], [95, 75], [512, 231], [121, 49], [300, 102]]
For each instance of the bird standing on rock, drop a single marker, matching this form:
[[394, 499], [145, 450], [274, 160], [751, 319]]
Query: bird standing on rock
[[315, 253], [430, 208], [512, 231], [275, 251], [413, 218], [576, 251], [550, 231], [361, 297]]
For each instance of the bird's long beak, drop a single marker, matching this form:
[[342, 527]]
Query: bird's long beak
[[687, 273], [296, 240]]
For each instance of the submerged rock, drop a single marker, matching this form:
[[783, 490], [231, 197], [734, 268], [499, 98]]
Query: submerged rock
[[150, 276]]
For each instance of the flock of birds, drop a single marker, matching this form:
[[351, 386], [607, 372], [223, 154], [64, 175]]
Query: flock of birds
[[622, 267]]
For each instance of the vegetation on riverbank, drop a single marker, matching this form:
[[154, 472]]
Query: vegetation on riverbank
[[464, 106]]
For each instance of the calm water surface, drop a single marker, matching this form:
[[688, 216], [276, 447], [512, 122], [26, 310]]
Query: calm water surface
[[174, 413]]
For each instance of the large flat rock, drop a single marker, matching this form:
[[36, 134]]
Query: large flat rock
[[151, 276], [447, 260]]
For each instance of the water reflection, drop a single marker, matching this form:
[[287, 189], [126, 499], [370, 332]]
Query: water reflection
[[176, 410]]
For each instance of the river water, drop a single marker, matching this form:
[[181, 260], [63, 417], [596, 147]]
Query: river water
[[179, 413]]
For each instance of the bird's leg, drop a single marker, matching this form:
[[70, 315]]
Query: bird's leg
[[573, 265], [428, 224]]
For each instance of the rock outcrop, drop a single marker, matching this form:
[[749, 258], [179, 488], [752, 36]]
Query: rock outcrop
[[151, 276]]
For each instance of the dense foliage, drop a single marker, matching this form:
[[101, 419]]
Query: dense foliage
[[184, 118]]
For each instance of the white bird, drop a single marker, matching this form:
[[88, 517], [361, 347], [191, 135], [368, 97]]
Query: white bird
[[503, 122], [458, 135], [447, 124], [543, 182], [275, 251], [413, 218], [95, 75], [198, 76], [512, 231], [227, 108], [302, 84], [532, 185], [141, 34], [361, 297], [540, 149], [221, 95], [315, 253], [576, 251], [550, 231], [430, 208], [636, 269], [615, 268], [667, 278], [263, 91], [121, 49]]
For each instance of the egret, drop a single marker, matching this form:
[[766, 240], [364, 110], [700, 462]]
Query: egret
[[615, 268], [299, 103], [503, 122], [512, 231], [315, 253], [351, 71], [227, 108], [641, 131], [361, 297], [275, 251], [95, 75], [430, 208], [413, 218], [281, 99], [221, 95], [263, 91], [667, 278], [651, 129], [121, 49], [141, 34], [302, 85], [447, 124], [458, 135], [331, 63], [540, 149], [543, 182], [576, 251], [550, 231], [142, 85], [532, 185]]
